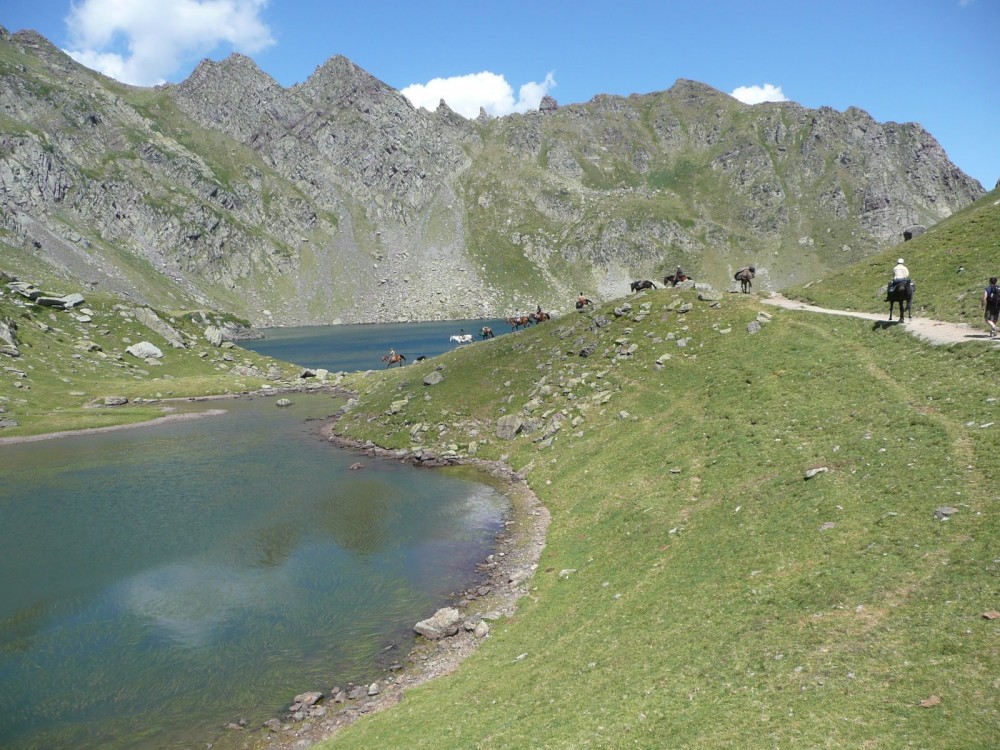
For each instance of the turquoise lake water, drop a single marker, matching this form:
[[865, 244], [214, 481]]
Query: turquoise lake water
[[157, 583], [360, 347]]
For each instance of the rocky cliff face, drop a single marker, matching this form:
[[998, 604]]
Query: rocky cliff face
[[336, 200]]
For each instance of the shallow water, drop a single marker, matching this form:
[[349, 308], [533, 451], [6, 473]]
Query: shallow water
[[159, 582]]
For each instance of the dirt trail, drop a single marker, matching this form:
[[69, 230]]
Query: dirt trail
[[933, 331]]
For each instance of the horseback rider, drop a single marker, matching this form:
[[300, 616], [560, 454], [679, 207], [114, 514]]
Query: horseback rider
[[991, 303], [581, 301], [900, 274]]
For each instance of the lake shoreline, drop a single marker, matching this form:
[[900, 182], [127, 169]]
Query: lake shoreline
[[111, 427], [169, 416], [509, 570]]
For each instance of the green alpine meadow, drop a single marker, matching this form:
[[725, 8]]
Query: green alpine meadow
[[776, 539]]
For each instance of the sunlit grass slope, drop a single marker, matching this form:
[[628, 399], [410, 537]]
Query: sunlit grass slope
[[951, 264], [67, 365], [697, 590]]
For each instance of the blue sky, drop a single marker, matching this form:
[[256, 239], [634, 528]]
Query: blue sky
[[934, 62]]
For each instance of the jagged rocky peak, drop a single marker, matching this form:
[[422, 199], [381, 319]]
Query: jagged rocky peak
[[548, 104], [234, 79], [233, 94], [235, 65], [694, 92], [607, 103], [447, 114], [31, 38], [37, 45], [339, 83]]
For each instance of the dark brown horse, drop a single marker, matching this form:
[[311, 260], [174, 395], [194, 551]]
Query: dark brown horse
[[901, 292], [644, 284], [518, 321], [486, 333], [393, 359], [539, 317], [745, 277]]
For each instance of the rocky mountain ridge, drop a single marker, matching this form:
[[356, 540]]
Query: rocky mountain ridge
[[336, 200]]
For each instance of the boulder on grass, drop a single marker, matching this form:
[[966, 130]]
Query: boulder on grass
[[145, 350]]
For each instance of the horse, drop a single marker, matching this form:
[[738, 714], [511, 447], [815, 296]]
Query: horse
[[540, 316], [745, 277], [582, 302], [465, 338], [644, 284], [900, 292], [517, 321], [486, 333], [675, 278], [393, 359]]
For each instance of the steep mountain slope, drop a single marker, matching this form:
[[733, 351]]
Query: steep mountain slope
[[337, 200]]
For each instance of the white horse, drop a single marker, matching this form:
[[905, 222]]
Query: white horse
[[465, 338]]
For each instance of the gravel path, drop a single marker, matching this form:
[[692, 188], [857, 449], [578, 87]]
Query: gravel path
[[933, 331]]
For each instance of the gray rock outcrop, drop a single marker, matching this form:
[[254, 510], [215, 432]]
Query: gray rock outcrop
[[145, 350], [8, 338], [153, 322], [433, 377], [443, 623], [508, 426]]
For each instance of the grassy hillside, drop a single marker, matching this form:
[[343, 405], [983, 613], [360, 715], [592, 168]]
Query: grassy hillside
[[68, 364], [951, 264], [697, 590]]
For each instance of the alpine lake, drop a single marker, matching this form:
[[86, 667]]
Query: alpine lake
[[159, 582]]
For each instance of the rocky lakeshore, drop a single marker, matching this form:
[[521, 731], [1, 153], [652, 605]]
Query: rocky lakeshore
[[441, 642]]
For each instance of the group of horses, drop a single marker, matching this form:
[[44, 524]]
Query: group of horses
[[523, 321], [896, 293], [673, 280]]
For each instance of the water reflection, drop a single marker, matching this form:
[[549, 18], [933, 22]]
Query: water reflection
[[191, 603], [214, 568], [360, 516]]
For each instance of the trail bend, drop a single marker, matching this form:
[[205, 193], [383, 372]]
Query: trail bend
[[936, 332]]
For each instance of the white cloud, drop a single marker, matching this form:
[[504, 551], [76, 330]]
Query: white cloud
[[466, 94], [143, 41], [757, 94]]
